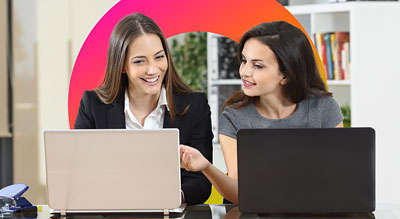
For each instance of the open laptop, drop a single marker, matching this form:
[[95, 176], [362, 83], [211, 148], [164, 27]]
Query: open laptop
[[310, 171], [92, 171]]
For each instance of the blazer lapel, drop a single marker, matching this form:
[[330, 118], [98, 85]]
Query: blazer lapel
[[116, 114], [167, 118]]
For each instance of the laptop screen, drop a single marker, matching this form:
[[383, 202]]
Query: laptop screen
[[328, 170], [113, 169]]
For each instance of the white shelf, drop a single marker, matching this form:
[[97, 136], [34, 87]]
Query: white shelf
[[332, 7], [227, 82], [339, 82], [320, 8]]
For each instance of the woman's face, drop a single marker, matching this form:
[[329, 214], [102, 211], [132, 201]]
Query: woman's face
[[259, 70], [146, 64]]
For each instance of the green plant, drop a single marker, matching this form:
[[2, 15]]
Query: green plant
[[346, 112], [190, 58]]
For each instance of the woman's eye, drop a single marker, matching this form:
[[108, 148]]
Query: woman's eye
[[160, 57], [138, 61], [258, 66], [243, 60]]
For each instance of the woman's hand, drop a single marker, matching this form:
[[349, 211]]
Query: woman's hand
[[192, 159]]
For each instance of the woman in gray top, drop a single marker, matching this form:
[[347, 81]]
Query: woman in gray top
[[282, 89]]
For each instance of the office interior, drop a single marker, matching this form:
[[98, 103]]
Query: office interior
[[40, 41]]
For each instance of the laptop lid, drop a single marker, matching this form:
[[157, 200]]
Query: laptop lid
[[113, 169], [328, 170]]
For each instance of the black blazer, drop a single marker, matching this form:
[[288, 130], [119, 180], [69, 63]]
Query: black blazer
[[194, 130]]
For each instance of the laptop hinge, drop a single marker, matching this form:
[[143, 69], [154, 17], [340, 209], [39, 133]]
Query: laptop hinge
[[166, 212], [63, 213]]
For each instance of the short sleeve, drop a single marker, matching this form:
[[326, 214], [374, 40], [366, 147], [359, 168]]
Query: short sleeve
[[227, 125], [331, 113]]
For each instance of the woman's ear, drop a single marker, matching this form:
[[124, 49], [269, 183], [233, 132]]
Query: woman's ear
[[283, 80]]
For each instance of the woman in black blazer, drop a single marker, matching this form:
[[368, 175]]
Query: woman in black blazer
[[142, 89]]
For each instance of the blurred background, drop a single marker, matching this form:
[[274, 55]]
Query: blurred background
[[40, 40]]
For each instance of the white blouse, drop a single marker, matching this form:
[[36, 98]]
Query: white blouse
[[155, 120]]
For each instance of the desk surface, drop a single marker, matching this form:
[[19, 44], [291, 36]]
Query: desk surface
[[383, 211]]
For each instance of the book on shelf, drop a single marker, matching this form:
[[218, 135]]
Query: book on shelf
[[320, 45], [346, 61], [328, 54], [335, 62], [333, 50], [343, 57]]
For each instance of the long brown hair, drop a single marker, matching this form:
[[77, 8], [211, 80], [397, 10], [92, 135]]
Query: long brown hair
[[115, 81], [295, 59]]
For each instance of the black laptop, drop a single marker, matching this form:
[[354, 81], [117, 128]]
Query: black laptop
[[306, 171]]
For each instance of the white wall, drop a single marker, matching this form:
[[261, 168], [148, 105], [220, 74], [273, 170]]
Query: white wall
[[47, 38], [53, 35], [25, 147], [376, 94]]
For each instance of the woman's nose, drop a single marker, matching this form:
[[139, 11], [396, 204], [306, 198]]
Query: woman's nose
[[244, 71], [152, 69]]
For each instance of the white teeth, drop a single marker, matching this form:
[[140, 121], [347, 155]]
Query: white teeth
[[248, 82], [150, 80]]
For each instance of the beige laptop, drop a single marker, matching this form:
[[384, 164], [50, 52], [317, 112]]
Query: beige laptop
[[113, 170]]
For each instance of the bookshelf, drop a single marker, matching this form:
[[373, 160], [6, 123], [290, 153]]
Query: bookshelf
[[353, 17], [325, 18]]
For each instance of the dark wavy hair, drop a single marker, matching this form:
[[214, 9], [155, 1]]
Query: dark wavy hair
[[295, 58]]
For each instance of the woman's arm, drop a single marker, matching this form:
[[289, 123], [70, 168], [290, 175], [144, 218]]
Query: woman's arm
[[195, 130], [226, 185], [229, 149]]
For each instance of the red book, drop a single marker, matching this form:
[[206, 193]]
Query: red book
[[323, 50], [342, 38]]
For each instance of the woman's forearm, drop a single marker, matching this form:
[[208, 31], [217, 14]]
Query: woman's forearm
[[225, 185]]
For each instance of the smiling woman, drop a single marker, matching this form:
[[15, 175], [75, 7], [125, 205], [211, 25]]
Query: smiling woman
[[142, 90]]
